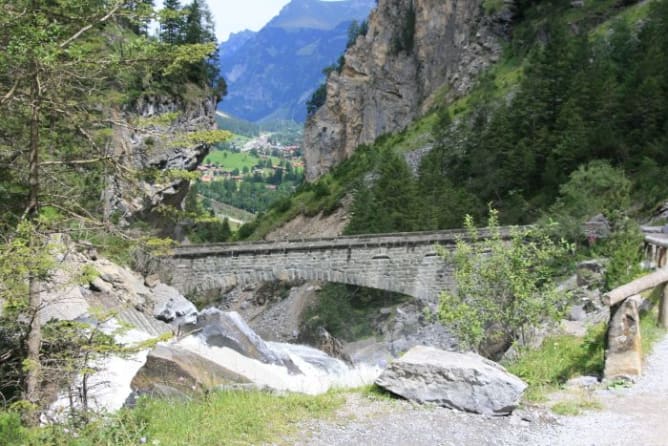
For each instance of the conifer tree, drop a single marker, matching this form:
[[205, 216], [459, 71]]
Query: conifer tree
[[171, 22], [63, 73]]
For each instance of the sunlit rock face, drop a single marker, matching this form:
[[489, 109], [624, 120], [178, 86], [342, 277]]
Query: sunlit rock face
[[147, 142], [392, 75]]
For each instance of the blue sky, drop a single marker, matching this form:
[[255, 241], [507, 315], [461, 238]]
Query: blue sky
[[237, 15]]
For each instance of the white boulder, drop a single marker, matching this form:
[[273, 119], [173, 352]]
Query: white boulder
[[465, 382]]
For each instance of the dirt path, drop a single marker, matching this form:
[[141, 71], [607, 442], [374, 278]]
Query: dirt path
[[632, 416], [637, 415]]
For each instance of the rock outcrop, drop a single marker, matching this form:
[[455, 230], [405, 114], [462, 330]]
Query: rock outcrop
[[172, 371], [466, 382], [149, 137], [412, 50], [223, 329]]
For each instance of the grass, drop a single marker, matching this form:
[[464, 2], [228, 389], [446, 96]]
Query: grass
[[235, 160], [579, 402], [650, 332], [222, 418], [558, 359]]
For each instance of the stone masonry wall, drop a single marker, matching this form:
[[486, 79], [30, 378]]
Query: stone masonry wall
[[405, 263]]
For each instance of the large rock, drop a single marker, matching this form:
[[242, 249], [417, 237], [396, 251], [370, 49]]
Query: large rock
[[227, 329], [142, 141], [316, 335], [170, 306], [171, 370], [466, 382]]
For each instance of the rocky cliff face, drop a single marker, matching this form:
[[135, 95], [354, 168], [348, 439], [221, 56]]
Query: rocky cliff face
[[147, 139], [412, 49]]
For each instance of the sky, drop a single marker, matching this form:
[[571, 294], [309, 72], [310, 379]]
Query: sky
[[232, 16], [237, 15]]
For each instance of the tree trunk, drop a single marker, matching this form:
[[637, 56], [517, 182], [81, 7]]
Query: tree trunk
[[34, 338]]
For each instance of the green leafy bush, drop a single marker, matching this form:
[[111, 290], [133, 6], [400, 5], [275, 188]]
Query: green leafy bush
[[594, 188], [503, 287]]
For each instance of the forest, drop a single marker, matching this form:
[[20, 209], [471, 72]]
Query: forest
[[74, 76], [589, 108]]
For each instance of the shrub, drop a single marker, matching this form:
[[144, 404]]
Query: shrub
[[594, 188], [503, 287]]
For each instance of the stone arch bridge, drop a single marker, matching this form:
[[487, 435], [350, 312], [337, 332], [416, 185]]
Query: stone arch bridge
[[406, 263]]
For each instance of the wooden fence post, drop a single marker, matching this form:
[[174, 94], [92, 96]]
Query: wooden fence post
[[663, 308], [623, 357]]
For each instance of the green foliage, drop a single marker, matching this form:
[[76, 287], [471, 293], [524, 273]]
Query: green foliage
[[346, 311], [562, 357], [623, 249], [210, 230], [580, 98], [597, 188], [492, 6], [230, 160], [504, 285], [11, 430], [389, 204], [26, 254], [209, 137], [226, 417], [88, 274], [317, 99]]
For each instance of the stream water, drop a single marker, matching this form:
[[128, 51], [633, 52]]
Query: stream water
[[109, 387]]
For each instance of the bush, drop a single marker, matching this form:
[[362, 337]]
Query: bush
[[624, 253], [595, 188], [11, 431], [503, 287]]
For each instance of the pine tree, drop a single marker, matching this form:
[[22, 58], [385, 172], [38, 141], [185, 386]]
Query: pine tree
[[65, 68], [171, 22]]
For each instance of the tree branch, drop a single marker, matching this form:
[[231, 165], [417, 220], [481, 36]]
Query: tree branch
[[10, 93], [90, 25], [75, 162]]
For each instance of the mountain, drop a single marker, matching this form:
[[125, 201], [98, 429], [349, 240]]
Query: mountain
[[272, 73], [413, 49], [235, 42]]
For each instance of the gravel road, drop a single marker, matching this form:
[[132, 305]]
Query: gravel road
[[636, 415]]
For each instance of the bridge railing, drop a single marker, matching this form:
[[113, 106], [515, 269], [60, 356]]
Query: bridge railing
[[390, 239], [623, 356]]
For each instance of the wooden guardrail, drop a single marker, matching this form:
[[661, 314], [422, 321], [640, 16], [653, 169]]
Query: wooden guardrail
[[623, 356]]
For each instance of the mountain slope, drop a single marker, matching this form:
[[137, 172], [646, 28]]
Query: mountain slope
[[272, 75], [412, 48], [575, 109]]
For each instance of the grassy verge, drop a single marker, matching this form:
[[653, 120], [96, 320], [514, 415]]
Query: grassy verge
[[223, 418], [558, 359]]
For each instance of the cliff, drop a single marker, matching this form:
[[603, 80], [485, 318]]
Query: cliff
[[148, 142], [413, 49]]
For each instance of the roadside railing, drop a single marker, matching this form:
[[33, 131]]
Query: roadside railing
[[623, 356]]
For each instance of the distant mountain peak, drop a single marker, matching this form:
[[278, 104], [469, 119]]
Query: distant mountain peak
[[272, 73], [319, 14]]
